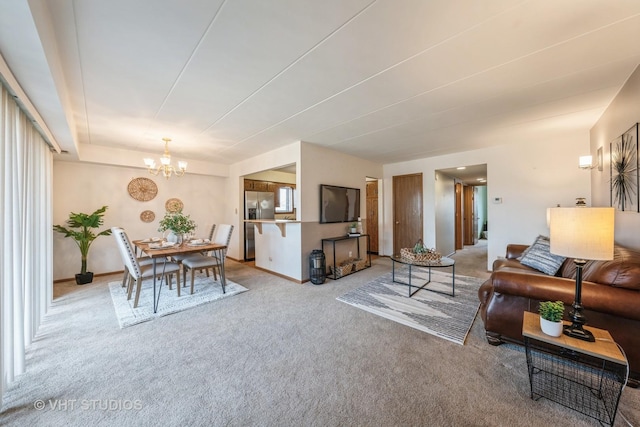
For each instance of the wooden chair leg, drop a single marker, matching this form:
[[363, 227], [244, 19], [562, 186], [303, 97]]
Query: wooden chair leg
[[138, 288], [129, 287], [177, 281], [125, 277], [193, 270]]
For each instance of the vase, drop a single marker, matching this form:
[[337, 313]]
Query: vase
[[176, 238], [550, 328]]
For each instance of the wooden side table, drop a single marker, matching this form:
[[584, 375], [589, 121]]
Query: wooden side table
[[587, 377]]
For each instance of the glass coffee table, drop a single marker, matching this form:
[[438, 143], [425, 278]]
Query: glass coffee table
[[443, 262]]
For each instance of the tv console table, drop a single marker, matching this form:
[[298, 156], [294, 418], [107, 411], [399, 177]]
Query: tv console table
[[334, 240]]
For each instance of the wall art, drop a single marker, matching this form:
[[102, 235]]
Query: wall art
[[624, 171]]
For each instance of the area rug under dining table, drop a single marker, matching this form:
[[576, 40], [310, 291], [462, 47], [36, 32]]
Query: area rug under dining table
[[445, 316], [205, 291]]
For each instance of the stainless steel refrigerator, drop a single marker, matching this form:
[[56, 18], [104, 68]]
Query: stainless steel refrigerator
[[257, 205]]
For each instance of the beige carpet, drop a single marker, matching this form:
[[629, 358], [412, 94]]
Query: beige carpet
[[282, 354]]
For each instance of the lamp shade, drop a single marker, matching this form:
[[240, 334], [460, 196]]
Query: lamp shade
[[582, 233]]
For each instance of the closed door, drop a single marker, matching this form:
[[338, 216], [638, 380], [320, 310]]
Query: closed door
[[407, 211], [469, 215], [372, 215]]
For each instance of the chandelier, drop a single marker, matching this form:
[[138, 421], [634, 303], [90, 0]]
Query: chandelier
[[165, 164]]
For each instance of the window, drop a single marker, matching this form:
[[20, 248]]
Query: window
[[284, 200]]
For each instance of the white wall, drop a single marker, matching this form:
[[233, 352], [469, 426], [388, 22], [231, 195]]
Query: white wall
[[528, 179], [622, 113], [84, 187]]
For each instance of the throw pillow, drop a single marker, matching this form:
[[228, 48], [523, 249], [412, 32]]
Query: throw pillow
[[538, 257]]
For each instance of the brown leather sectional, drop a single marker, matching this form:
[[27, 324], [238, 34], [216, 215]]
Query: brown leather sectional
[[610, 296]]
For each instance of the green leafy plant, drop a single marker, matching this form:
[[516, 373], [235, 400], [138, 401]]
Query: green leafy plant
[[551, 310], [177, 222], [80, 227]]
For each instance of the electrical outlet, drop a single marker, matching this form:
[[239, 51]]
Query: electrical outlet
[[350, 254]]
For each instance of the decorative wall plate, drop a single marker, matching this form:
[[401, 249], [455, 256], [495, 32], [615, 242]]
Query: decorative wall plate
[[147, 216], [142, 189], [174, 205]]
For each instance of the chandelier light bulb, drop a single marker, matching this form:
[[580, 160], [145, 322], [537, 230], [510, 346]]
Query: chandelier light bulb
[[165, 164]]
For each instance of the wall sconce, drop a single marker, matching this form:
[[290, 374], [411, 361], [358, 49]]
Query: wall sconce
[[586, 162]]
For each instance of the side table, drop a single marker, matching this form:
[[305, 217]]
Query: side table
[[587, 377]]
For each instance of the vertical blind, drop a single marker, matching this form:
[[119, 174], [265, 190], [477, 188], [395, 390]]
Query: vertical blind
[[26, 272]]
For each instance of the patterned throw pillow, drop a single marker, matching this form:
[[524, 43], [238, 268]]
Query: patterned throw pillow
[[538, 257]]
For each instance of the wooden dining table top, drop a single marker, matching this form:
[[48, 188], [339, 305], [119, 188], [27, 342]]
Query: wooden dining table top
[[184, 248]]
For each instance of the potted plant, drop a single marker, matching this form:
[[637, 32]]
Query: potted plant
[[80, 227], [353, 228], [551, 313], [178, 224]]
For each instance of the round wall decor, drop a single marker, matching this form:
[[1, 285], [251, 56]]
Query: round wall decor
[[142, 189], [174, 205], [147, 216]]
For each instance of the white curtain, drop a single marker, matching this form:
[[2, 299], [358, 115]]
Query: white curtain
[[26, 272]]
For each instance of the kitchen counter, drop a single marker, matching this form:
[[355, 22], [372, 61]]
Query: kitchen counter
[[280, 223]]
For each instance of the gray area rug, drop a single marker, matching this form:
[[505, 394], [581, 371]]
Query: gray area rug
[[437, 314], [205, 290]]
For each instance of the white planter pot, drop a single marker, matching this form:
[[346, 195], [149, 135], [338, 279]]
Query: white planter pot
[[553, 329]]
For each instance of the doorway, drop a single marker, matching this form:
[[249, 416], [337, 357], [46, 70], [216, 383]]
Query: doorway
[[372, 215], [407, 211]]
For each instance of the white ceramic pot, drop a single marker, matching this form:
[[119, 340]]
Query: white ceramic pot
[[553, 329]]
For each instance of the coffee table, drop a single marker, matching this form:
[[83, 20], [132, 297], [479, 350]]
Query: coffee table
[[443, 262]]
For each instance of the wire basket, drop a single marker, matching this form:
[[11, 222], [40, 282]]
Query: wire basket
[[359, 264], [342, 270], [430, 256]]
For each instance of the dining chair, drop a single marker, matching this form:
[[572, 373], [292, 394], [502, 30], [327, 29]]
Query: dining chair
[[179, 257], [138, 272], [143, 260], [195, 262]]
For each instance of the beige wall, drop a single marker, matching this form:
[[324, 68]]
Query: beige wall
[[528, 178], [622, 113], [85, 187]]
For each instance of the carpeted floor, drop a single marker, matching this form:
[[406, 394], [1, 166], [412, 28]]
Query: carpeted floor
[[282, 354]]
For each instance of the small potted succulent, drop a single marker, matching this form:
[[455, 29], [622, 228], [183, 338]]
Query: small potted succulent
[[551, 313], [80, 227], [353, 228]]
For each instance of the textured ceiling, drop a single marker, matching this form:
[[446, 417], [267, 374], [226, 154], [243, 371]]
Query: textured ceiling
[[384, 80]]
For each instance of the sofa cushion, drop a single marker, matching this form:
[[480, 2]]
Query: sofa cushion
[[537, 256], [623, 271]]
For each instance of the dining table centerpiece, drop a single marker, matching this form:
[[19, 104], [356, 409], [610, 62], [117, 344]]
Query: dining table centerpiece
[[179, 225]]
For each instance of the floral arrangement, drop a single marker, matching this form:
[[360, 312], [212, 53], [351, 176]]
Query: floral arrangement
[[177, 222]]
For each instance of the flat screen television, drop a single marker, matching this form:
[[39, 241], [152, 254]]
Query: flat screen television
[[339, 204]]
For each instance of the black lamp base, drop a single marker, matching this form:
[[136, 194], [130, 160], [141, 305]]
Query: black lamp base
[[576, 331]]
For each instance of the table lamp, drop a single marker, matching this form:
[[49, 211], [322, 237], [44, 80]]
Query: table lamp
[[583, 234]]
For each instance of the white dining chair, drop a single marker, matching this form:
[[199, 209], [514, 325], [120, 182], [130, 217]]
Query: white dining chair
[[143, 260], [178, 258], [196, 262], [138, 272]]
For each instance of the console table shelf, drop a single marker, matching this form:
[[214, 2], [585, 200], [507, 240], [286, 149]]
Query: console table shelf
[[334, 240], [587, 377]]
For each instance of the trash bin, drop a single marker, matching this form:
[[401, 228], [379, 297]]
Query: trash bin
[[317, 273]]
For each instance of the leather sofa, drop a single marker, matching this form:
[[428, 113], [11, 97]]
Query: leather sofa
[[610, 296]]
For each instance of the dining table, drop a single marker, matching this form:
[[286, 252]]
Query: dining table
[[160, 253]]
